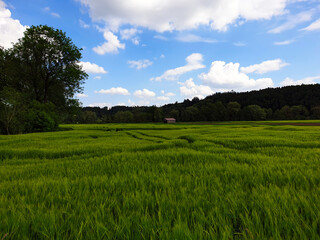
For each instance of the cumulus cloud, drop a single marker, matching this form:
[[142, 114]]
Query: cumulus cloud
[[293, 21], [194, 62], [264, 67], [313, 26], [308, 80], [178, 15], [145, 93], [10, 29], [112, 45], [140, 64], [114, 91], [82, 95], [166, 96], [130, 33], [226, 76], [191, 90], [194, 38], [92, 68], [286, 42], [163, 98]]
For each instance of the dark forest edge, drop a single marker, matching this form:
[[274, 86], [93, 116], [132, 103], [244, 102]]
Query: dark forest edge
[[285, 103]]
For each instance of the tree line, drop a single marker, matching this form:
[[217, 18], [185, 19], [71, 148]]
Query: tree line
[[286, 103]]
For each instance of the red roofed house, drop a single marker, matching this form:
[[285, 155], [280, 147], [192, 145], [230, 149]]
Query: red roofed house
[[169, 120]]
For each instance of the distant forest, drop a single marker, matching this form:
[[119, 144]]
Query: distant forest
[[286, 103]]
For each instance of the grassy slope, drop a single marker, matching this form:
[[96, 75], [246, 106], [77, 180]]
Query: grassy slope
[[157, 181]]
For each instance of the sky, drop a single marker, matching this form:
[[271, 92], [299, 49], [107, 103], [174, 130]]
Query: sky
[[154, 52]]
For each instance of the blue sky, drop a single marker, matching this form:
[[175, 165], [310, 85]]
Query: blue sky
[[153, 52]]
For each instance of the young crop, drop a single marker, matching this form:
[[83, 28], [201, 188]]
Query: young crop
[[153, 181]]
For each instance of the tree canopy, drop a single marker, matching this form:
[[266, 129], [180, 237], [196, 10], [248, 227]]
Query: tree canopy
[[43, 66]]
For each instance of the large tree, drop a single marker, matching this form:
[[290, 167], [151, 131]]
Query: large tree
[[39, 77], [45, 65]]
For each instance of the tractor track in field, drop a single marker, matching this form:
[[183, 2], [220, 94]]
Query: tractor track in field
[[141, 138], [148, 135]]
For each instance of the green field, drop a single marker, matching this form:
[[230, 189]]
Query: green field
[[157, 181]]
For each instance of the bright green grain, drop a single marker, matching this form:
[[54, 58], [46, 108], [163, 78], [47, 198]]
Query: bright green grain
[[156, 181]]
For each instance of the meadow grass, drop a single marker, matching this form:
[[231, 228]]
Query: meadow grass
[[243, 180]]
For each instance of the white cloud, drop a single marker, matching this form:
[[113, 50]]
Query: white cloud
[[135, 41], [226, 76], [194, 38], [239, 44], [162, 56], [170, 94], [194, 62], [161, 37], [166, 96], [191, 90], [140, 64], [101, 105], [308, 80], [120, 104], [97, 77], [163, 16], [92, 68], [130, 33], [54, 14], [82, 95], [83, 24], [286, 42], [293, 21], [57, 15], [131, 103], [10, 29], [264, 67], [114, 91], [163, 98], [145, 93], [313, 26], [112, 45]]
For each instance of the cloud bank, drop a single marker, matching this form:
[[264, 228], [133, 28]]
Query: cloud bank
[[226, 76], [178, 15]]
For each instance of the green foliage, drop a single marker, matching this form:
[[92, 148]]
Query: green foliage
[[87, 117], [316, 112], [156, 181], [41, 117], [233, 110], [299, 112], [253, 112], [39, 76], [123, 117], [12, 110], [46, 65]]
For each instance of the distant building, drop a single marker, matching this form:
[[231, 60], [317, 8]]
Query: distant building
[[169, 120]]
